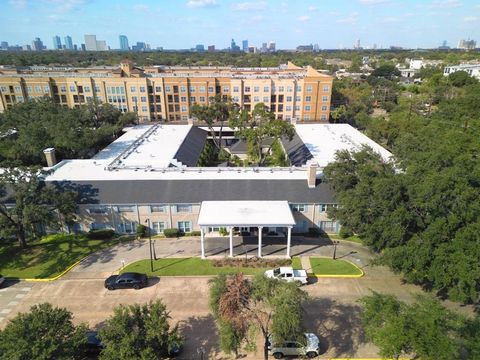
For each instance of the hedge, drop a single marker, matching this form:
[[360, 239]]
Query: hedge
[[171, 233]]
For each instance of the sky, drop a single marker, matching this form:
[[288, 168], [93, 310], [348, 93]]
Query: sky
[[181, 24]]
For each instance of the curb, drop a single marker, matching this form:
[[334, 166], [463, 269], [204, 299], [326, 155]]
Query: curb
[[362, 273]]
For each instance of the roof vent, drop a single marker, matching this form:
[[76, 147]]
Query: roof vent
[[312, 175], [50, 156]]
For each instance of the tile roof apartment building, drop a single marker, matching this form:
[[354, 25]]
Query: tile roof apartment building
[[150, 173], [167, 93]]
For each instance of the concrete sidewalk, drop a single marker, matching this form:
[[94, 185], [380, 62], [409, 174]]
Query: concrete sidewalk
[[110, 260]]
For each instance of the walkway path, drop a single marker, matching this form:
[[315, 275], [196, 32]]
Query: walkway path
[[110, 260]]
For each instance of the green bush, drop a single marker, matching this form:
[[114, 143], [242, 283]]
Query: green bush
[[101, 234], [171, 233], [313, 232], [193, 233], [141, 231], [345, 232], [222, 231]]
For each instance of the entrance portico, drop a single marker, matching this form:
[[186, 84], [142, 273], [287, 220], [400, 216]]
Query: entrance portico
[[245, 214]]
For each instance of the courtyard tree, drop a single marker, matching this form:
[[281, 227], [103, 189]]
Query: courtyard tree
[[273, 307], [28, 204], [258, 126], [45, 332], [215, 114], [139, 332], [424, 330]]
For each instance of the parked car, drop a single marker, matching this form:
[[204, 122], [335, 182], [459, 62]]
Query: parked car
[[310, 347], [93, 347], [128, 280], [288, 274], [2, 280]]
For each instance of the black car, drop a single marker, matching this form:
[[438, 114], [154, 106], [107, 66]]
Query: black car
[[93, 346], [2, 280], [126, 280]]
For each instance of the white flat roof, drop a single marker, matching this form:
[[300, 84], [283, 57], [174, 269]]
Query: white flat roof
[[324, 140], [245, 213]]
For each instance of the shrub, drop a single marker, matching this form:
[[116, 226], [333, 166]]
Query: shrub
[[194, 233], [313, 232], [101, 234], [141, 231], [171, 233], [345, 232], [222, 231], [254, 262]]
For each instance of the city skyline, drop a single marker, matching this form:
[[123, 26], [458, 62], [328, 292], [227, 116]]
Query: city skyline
[[422, 24]]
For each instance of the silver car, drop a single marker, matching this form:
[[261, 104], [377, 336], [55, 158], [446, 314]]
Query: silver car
[[310, 347]]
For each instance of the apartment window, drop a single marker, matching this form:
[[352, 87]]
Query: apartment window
[[184, 117], [39, 88], [307, 107], [299, 207], [46, 89], [298, 98], [157, 208], [323, 117], [299, 88], [324, 98], [184, 226], [183, 98], [266, 89], [306, 117], [97, 89], [185, 208], [86, 88], [236, 89], [289, 99], [144, 108], [142, 89], [326, 88], [29, 88], [281, 89], [210, 89], [158, 227], [308, 98], [323, 207], [202, 98], [18, 89], [256, 98], [143, 99], [134, 99], [236, 99], [247, 88], [193, 99], [3, 88], [226, 89], [328, 226], [20, 98], [99, 226], [158, 89], [167, 88], [127, 227], [288, 108], [297, 107], [324, 107], [201, 89], [125, 208], [266, 99], [309, 88], [289, 89], [256, 88], [133, 89], [274, 89], [97, 210], [192, 88], [184, 108]]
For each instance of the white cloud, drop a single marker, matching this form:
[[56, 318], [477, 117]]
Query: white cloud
[[312, 8], [64, 6], [440, 4], [471, 18], [303, 18], [350, 19], [247, 6], [373, 2], [201, 3]]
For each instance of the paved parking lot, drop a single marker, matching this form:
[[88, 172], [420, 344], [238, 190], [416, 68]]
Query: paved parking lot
[[11, 295]]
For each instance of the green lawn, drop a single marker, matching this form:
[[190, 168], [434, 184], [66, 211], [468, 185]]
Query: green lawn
[[326, 266], [296, 263], [353, 238], [187, 267], [49, 256]]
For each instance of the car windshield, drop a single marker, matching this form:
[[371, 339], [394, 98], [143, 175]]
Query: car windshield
[[276, 271]]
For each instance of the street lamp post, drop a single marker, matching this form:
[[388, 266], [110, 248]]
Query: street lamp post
[[150, 243]]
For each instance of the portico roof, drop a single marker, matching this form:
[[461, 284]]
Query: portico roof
[[245, 213]]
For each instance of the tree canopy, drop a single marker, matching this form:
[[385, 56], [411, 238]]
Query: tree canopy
[[46, 333]]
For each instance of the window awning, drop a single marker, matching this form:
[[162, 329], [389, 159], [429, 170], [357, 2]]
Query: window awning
[[246, 213]]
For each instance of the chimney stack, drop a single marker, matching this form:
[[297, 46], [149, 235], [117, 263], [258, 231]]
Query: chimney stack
[[312, 174], [50, 156]]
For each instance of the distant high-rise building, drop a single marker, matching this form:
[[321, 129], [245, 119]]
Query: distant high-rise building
[[68, 42], [102, 45], [199, 48], [57, 43], [37, 45], [245, 45], [140, 46], [124, 43], [234, 46], [467, 44], [211, 48], [91, 42], [264, 47], [271, 46], [4, 45], [26, 48], [316, 48]]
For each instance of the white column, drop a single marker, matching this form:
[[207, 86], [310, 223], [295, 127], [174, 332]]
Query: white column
[[202, 242], [289, 240], [231, 242], [260, 228]]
